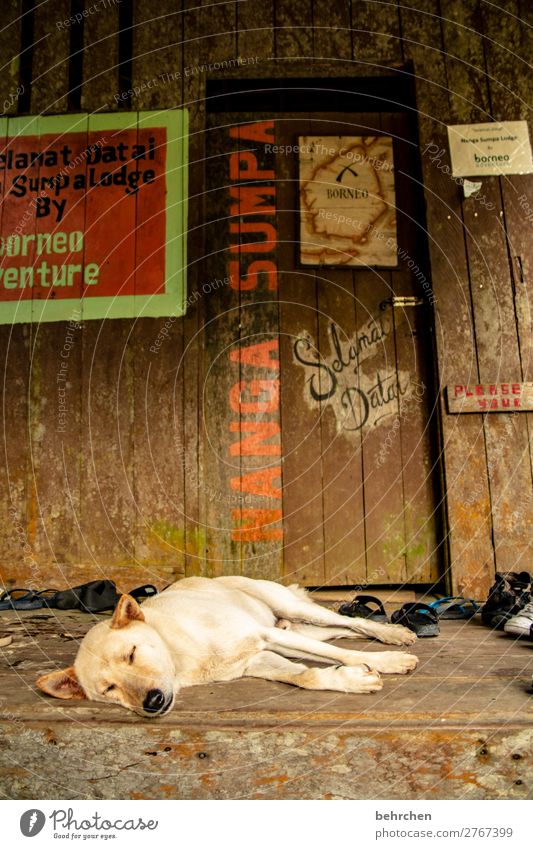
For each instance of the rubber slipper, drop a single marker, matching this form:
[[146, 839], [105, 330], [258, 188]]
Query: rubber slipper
[[418, 617], [20, 599], [360, 608], [93, 597], [46, 595], [455, 607]]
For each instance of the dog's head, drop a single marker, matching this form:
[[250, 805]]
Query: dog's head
[[123, 661]]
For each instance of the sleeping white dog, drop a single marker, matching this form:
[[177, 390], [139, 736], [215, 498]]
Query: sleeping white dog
[[202, 630]]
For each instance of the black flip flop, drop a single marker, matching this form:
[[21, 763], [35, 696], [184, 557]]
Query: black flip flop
[[359, 608], [418, 617], [94, 597]]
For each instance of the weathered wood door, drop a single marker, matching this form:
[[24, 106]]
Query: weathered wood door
[[317, 397]]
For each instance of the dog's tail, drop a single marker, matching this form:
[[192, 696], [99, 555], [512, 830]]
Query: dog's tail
[[299, 592]]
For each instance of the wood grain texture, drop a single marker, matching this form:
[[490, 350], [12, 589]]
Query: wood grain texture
[[300, 420], [415, 432], [383, 489], [17, 552], [209, 37], [161, 463], [108, 513], [100, 91], [342, 458], [51, 57], [508, 437], [221, 338], [54, 450], [468, 504], [510, 98], [255, 29], [332, 30], [345, 560], [465, 61], [157, 54], [193, 322], [294, 29], [131, 487], [376, 32]]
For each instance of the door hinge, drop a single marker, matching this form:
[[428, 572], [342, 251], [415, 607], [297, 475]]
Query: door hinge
[[400, 301]]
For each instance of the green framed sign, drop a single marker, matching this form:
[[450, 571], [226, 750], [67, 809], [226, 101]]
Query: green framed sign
[[93, 216]]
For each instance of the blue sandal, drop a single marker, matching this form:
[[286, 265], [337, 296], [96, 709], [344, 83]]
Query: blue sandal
[[455, 607], [20, 599]]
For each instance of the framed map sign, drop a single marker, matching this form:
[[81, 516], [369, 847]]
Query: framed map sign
[[347, 201], [93, 216]]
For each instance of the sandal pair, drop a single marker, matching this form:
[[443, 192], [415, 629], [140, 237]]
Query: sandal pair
[[423, 619], [416, 616]]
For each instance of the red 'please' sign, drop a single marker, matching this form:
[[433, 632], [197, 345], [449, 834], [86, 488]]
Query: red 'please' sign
[[490, 397]]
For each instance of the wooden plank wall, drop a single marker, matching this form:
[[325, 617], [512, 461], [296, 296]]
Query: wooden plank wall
[[16, 538], [126, 490], [473, 284], [53, 506]]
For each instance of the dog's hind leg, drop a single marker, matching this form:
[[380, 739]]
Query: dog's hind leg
[[290, 603], [291, 644], [318, 632], [344, 679]]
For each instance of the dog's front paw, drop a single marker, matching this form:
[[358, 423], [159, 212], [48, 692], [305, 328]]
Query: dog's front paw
[[359, 679], [397, 635], [398, 662]]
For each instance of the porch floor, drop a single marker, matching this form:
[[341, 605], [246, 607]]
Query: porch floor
[[459, 727]]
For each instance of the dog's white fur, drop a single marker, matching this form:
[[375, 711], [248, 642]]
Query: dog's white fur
[[202, 630]]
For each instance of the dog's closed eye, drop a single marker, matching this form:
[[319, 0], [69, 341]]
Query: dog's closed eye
[[131, 656], [108, 689]]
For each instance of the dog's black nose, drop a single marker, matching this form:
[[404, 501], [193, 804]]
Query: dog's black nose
[[154, 701]]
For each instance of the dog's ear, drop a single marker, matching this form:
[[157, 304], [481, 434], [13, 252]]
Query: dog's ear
[[63, 684], [127, 610]]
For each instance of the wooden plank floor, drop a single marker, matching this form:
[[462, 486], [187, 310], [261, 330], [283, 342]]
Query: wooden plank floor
[[459, 727]]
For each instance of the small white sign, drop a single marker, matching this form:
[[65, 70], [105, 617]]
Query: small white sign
[[488, 149]]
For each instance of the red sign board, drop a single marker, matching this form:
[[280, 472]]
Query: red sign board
[[93, 216]]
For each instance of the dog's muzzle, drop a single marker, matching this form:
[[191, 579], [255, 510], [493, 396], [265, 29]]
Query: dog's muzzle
[[156, 704]]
